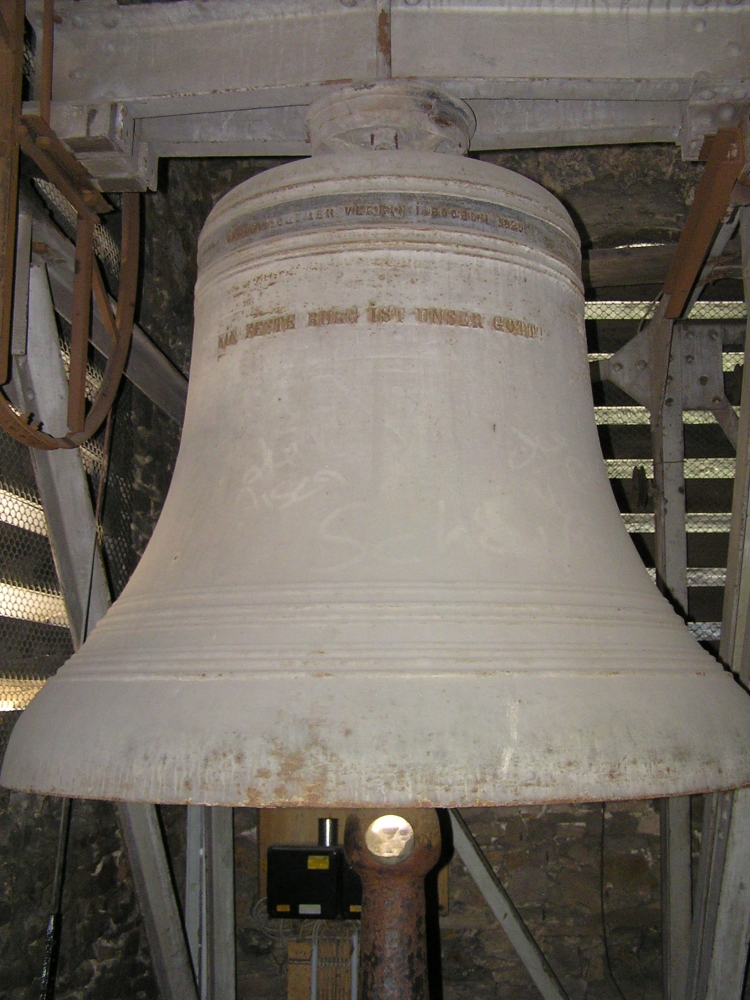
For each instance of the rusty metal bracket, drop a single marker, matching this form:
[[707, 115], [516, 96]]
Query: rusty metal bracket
[[33, 135], [725, 165]]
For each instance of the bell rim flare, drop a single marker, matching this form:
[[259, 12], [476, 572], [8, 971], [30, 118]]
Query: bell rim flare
[[244, 762]]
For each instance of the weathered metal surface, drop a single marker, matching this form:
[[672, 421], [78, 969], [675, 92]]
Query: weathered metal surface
[[27, 426], [390, 114], [146, 366], [11, 84], [726, 161], [407, 522], [393, 947], [234, 79]]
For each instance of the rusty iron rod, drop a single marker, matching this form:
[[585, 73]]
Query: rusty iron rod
[[79, 337], [48, 43], [726, 161], [11, 84], [393, 947]]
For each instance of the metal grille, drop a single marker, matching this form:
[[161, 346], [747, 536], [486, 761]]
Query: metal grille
[[705, 310], [105, 247], [34, 635]]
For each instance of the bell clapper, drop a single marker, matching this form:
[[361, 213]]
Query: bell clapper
[[392, 854]]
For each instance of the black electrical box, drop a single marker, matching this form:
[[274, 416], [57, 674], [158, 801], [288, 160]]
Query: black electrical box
[[351, 899], [313, 882], [305, 882]]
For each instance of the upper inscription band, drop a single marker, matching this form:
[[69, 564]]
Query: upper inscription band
[[441, 212]]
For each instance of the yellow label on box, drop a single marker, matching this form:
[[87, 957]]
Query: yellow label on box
[[319, 862], [283, 908], [355, 909]]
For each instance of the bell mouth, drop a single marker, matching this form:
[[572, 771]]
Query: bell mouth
[[397, 740]]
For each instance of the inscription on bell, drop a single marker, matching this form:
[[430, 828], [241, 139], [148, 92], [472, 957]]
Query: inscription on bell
[[385, 314], [257, 328], [518, 327], [449, 317], [331, 317]]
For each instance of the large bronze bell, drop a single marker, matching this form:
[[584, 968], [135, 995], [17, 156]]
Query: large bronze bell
[[390, 570]]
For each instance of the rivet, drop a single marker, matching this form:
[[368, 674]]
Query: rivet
[[716, 399], [668, 401], [706, 95], [734, 3], [703, 380], [109, 47], [110, 21], [617, 366], [348, 3], [699, 25], [640, 365], [727, 113], [689, 358], [412, 3], [733, 50]]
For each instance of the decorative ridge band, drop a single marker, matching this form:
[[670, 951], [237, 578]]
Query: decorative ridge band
[[367, 210]]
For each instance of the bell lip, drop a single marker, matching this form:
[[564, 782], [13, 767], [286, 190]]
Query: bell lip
[[340, 742]]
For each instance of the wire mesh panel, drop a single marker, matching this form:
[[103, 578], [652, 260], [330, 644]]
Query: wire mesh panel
[[35, 638], [34, 634]]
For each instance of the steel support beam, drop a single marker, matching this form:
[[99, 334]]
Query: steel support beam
[[666, 391], [502, 906], [39, 380], [209, 900], [721, 922], [134, 82]]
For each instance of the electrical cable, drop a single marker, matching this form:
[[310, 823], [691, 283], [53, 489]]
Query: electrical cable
[[54, 924]]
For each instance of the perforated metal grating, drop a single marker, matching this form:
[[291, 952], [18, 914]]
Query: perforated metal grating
[[34, 635]]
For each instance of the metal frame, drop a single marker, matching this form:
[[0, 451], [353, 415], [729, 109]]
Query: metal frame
[[133, 83], [209, 900], [721, 920], [39, 379]]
